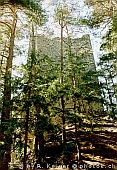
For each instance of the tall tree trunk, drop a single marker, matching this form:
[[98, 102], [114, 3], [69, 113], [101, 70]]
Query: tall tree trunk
[[74, 86], [61, 80], [63, 120], [39, 140], [75, 122], [77, 143], [76, 135], [7, 139], [26, 132], [29, 92], [41, 147]]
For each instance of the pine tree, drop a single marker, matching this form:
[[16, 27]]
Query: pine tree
[[11, 9], [107, 64]]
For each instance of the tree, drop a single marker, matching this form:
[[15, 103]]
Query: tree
[[39, 73], [106, 16], [107, 64], [28, 4], [105, 13], [12, 10], [62, 15], [6, 109]]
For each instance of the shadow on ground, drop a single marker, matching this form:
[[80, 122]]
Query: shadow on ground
[[98, 149]]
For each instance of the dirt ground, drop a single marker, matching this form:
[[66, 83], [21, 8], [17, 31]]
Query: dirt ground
[[98, 148], [102, 148]]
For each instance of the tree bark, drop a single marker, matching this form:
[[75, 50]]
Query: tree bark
[[26, 133], [76, 136], [29, 92], [61, 81]]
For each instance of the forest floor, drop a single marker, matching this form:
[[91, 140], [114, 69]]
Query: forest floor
[[98, 148]]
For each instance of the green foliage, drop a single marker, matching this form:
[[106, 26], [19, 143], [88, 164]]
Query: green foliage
[[91, 22], [108, 71], [29, 4], [101, 14], [114, 24], [68, 149], [62, 15]]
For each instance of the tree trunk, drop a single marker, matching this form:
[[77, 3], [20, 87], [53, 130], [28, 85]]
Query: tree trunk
[[29, 92], [63, 121], [76, 136], [77, 144], [39, 142], [6, 138], [36, 146], [41, 147], [26, 133], [61, 81]]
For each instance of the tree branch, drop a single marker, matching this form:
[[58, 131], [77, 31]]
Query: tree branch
[[7, 24]]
